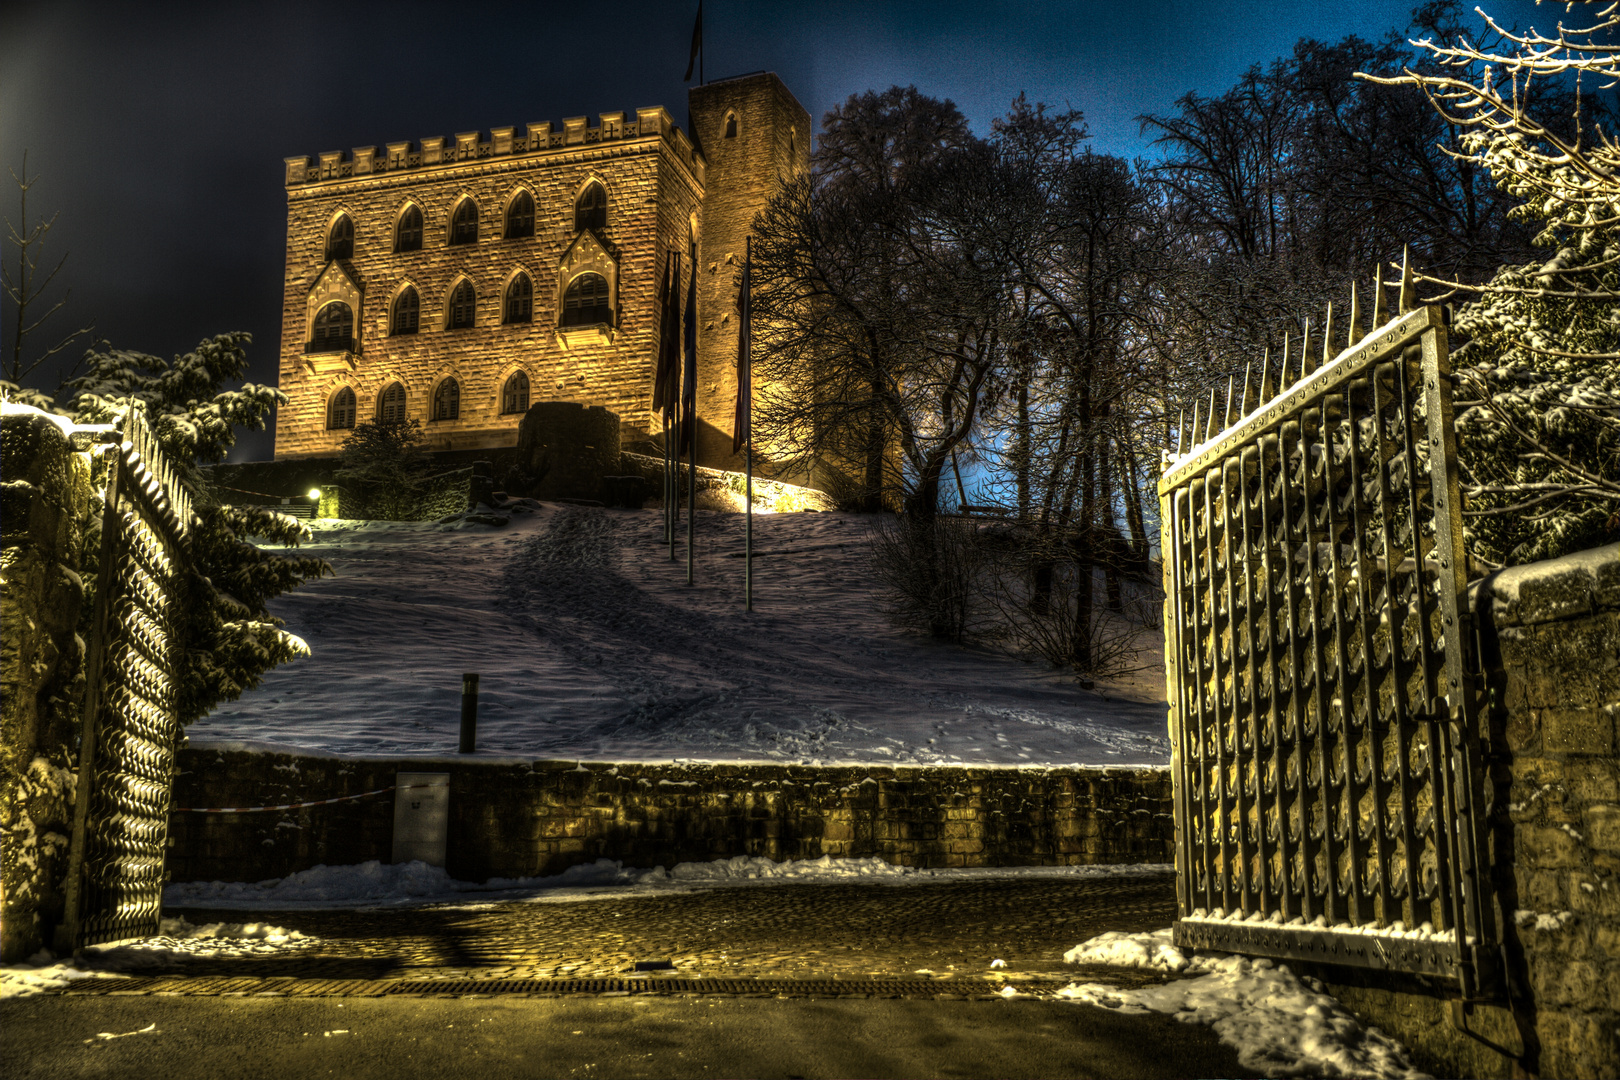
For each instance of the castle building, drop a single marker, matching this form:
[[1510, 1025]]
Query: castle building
[[458, 281]]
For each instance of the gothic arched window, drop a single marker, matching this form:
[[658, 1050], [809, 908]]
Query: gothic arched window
[[464, 223], [731, 125], [590, 212], [340, 410], [462, 303], [586, 302], [340, 239], [447, 400], [520, 216], [334, 328], [407, 311], [519, 300], [391, 405], [515, 394], [408, 232]]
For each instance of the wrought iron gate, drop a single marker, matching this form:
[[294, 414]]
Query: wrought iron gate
[[1328, 779], [126, 758]]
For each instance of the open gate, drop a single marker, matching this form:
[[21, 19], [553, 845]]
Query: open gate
[[1325, 741], [131, 727]]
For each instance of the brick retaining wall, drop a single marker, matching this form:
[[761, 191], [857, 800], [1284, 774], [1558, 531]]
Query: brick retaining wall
[[510, 819]]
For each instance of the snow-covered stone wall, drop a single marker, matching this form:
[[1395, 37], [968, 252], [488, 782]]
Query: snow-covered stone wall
[[518, 819], [44, 510], [1551, 634]]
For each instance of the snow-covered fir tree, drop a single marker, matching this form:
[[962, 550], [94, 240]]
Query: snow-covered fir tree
[[232, 638]]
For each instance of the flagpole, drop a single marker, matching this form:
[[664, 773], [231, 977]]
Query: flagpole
[[746, 327], [689, 407], [669, 493]]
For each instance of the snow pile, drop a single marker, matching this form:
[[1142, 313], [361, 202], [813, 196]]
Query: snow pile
[[43, 974], [375, 884], [1279, 1024], [178, 939], [591, 646], [1130, 950]]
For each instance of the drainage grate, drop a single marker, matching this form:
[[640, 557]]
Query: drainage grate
[[204, 986]]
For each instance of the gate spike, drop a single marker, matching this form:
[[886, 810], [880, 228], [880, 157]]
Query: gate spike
[[1355, 317], [1248, 376], [1378, 298], [1305, 351], [1327, 336], [1181, 432], [1282, 366], [1408, 298], [1209, 417], [1263, 394], [1231, 386], [1192, 432]]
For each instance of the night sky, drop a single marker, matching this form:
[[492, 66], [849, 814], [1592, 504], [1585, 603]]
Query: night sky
[[158, 129]]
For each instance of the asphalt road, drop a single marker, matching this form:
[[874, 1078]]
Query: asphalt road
[[224, 1038]]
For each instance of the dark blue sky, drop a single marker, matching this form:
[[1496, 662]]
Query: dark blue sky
[[158, 129]]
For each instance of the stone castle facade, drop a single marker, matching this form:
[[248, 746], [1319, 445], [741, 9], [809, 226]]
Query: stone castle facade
[[458, 281]]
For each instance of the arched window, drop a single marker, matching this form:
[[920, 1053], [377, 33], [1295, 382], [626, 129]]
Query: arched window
[[407, 311], [793, 146], [462, 303], [391, 405], [515, 394], [520, 216], [334, 328], [519, 300], [591, 210], [464, 225], [408, 233], [340, 241], [447, 400], [340, 411], [731, 125], [586, 301]]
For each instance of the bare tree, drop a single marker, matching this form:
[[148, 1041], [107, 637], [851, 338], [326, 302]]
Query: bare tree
[[26, 288]]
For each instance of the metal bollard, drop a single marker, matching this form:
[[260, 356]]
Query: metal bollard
[[469, 712]]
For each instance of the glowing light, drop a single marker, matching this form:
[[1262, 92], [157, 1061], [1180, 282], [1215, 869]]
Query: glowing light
[[315, 493]]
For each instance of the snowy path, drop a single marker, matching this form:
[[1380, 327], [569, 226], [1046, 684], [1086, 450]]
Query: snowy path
[[591, 645]]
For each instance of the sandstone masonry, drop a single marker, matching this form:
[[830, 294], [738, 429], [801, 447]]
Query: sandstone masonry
[[664, 192]]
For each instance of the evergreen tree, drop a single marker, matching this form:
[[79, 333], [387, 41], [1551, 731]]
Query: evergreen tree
[[232, 638]]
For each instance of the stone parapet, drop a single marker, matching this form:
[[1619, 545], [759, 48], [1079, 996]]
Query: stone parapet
[[518, 818]]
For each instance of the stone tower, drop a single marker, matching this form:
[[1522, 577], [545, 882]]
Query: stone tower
[[752, 132]]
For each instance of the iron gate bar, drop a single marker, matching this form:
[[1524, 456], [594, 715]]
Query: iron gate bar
[[1307, 815]]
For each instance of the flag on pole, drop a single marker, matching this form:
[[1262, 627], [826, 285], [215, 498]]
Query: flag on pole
[[745, 376], [697, 46], [689, 374], [667, 371]]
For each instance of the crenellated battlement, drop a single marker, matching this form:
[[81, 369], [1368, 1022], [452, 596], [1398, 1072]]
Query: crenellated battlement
[[536, 138]]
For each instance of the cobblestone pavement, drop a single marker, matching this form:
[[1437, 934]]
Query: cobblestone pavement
[[789, 931]]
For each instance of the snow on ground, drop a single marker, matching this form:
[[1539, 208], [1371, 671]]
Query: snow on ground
[[1279, 1024], [592, 647], [176, 939], [42, 974], [375, 884]]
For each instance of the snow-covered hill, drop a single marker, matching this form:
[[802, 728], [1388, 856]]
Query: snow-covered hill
[[591, 646]]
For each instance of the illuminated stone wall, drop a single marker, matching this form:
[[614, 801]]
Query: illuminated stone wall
[[771, 140], [45, 510], [657, 183], [527, 818]]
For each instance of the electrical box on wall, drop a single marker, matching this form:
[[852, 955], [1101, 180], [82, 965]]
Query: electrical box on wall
[[421, 817]]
